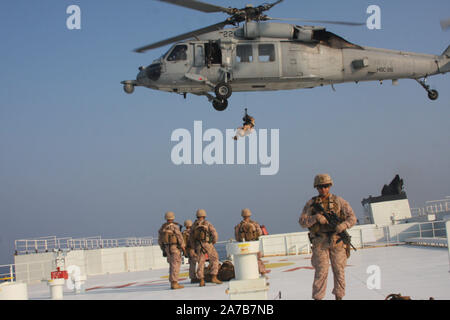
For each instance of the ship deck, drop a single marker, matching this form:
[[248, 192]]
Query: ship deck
[[418, 272]]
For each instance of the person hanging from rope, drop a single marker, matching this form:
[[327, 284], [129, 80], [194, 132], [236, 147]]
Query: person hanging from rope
[[247, 127]]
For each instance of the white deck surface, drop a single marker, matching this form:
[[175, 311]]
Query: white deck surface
[[419, 272]]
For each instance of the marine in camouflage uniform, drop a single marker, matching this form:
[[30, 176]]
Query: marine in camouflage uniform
[[249, 230], [192, 256], [247, 127], [326, 246], [203, 237], [172, 244]]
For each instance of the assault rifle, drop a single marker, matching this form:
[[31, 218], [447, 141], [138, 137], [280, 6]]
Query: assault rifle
[[333, 221]]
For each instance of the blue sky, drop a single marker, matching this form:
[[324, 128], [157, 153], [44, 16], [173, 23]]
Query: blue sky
[[79, 157]]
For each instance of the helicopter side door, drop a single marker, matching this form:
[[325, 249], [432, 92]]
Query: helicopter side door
[[258, 61], [207, 60]]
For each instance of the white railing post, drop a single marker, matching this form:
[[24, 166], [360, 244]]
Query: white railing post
[[262, 246], [361, 236], [286, 245], [11, 275]]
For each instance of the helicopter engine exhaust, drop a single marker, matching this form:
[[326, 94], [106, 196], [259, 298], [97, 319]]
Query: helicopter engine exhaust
[[253, 30]]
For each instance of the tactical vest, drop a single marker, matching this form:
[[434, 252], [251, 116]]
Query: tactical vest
[[248, 231], [202, 234], [168, 235], [330, 205]]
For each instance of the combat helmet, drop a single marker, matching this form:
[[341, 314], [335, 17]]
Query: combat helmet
[[201, 213], [322, 179], [169, 215], [246, 213], [188, 223]]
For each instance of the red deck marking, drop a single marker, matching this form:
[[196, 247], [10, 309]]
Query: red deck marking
[[124, 285], [156, 282], [93, 288], [148, 283], [299, 268]]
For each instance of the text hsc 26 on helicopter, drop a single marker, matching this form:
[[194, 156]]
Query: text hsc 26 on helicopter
[[264, 56]]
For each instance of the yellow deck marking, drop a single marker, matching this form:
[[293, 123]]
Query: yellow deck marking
[[278, 265], [181, 275]]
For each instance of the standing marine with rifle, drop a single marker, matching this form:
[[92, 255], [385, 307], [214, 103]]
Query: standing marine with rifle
[[327, 217], [172, 244], [203, 237]]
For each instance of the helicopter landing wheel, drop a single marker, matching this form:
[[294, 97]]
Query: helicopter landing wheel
[[223, 91], [433, 95], [220, 105]]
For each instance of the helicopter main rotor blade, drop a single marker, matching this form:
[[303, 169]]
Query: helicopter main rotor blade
[[345, 23], [271, 5], [214, 27], [445, 24], [197, 5]]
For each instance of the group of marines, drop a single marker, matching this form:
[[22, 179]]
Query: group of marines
[[198, 239]]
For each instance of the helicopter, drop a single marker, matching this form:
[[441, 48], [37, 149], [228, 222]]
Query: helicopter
[[262, 55]]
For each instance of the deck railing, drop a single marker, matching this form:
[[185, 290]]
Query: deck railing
[[49, 244]]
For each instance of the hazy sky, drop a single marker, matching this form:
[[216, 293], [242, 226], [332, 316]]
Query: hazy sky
[[79, 157]]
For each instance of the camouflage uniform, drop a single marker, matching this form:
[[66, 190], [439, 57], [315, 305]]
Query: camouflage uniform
[[324, 246], [192, 257], [172, 247], [247, 128], [238, 233], [205, 246]]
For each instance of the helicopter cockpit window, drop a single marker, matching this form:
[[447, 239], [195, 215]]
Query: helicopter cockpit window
[[244, 53], [266, 53], [178, 53]]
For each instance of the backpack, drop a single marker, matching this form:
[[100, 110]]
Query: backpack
[[248, 232], [201, 233], [168, 235], [225, 273]]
